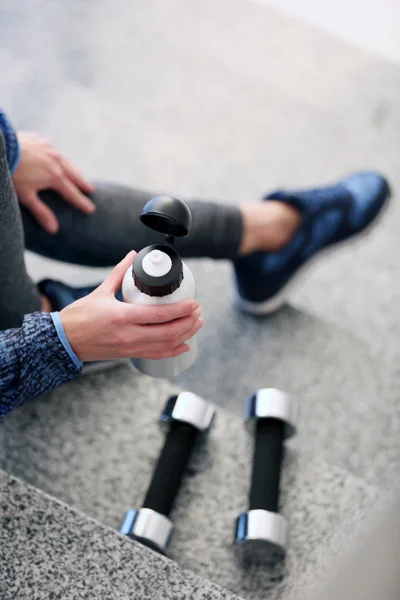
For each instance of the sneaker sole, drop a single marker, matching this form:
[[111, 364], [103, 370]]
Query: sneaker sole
[[275, 303]]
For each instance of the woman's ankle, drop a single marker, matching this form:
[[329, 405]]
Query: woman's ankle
[[268, 226], [46, 304]]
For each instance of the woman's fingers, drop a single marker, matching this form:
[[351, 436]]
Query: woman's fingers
[[169, 332], [134, 344], [72, 194], [189, 334], [149, 315], [41, 212], [134, 347], [170, 345], [113, 282]]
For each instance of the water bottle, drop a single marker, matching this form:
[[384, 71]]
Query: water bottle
[[159, 276]]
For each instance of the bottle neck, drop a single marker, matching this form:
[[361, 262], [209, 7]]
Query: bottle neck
[[157, 270]]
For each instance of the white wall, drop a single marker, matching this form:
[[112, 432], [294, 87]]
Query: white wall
[[371, 24]]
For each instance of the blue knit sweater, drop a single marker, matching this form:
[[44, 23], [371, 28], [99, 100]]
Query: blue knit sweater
[[10, 138], [36, 357], [32, 361]]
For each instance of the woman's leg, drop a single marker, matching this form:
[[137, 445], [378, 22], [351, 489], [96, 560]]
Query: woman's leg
[[18, 294], [279, 236], [219, 231], [103, 238]]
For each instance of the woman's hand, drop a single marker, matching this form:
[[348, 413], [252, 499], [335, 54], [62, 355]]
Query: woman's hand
[[42, 167], [99, 327]]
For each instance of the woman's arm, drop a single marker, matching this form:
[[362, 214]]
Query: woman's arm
[[48, 349]]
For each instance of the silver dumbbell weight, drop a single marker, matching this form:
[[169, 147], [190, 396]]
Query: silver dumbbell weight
[[261, 533], [187, 416]]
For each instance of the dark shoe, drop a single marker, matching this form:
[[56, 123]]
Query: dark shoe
[[331, 215]]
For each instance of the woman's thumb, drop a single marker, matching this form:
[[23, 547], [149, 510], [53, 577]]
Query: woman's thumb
[[114, 281]]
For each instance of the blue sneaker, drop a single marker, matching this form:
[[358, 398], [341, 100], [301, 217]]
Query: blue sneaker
[[60, 294], [331, 215]]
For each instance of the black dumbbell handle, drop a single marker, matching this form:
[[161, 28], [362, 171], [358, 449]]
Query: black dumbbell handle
[[170, 467], [267, 464]]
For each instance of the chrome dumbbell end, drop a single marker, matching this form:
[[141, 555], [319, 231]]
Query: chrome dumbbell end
[[187, 407], [148, 527], [271, 403], [261, 537]]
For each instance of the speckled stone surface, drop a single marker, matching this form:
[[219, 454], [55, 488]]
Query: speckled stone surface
[[93, 444], [49, 551]]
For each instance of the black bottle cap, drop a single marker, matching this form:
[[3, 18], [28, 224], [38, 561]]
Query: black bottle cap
[[158, 286], [167, 215]]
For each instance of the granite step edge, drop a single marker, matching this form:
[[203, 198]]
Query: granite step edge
[[49, 547]]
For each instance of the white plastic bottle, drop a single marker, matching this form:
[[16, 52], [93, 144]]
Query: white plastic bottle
[[159, 276]]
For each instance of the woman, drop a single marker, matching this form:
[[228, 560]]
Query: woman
[[48, 330]]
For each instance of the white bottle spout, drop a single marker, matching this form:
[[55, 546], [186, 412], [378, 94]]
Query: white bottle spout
[[156, 263]]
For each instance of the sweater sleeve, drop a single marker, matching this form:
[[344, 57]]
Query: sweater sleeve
[[12, 145], [32, 361]]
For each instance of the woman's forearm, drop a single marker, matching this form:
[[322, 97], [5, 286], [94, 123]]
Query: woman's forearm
[[48, 349], [32, 361]]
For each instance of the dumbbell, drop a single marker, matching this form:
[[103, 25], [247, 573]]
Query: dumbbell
[[261, 533], [187, 417]]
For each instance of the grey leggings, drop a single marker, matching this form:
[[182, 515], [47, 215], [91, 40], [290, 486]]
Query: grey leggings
[[98, 240]]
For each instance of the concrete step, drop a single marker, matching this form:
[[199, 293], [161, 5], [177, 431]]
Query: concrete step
[[93, 444], [349, 413], [347, 390], [294, 123]]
